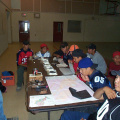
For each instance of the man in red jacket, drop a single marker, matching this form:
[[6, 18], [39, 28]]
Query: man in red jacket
[[22, 57]]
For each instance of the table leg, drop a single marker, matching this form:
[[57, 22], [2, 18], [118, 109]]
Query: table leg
[[48, 115]]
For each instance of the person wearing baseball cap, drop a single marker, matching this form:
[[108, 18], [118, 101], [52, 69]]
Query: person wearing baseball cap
[[22, 57], [77, 56], [89, 73], [115, 65], [71, 62], [96, 58], [73, 47], [44, 51], [109, 110]]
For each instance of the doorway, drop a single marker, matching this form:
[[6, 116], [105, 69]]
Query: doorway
[[24, 31], [58, 32]]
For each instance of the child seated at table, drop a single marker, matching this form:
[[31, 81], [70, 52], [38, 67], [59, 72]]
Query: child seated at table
[[71, 62], [94, 78], [59, 53], [44, 51], [66, 53], [110, 110], [77, 56], [115, 65]]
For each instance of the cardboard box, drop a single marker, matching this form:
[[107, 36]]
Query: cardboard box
[[33, 77]]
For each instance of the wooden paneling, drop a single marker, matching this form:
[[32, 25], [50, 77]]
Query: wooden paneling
[[26, 5], [53, 6], [85, 8], [68, 6], [37, 5], [62, 6], [7, 3]]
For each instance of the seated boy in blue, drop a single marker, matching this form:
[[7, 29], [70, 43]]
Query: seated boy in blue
[[67, 56], [110, 110], [95, 78], [66, 53]]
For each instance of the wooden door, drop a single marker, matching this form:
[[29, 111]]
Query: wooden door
[[57, 31], [24, 31]]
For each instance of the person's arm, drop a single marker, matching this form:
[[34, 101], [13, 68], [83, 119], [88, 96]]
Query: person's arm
[[23, 65], [71, 68], [107, 90], [49, 54], [56, 55]]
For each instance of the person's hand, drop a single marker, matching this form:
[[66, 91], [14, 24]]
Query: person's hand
[[77, 72], [85, 78], [24, 65], [82, 119], [58, 56], [109, 92], [70, 61]]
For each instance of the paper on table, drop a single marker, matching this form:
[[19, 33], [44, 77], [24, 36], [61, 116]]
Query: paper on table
[[62, 65], [41, 100], [59, 87], [66, 71]]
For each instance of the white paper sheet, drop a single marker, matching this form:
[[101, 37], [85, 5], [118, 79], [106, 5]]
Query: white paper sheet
[[41, 100], [59, 87], [66, 71]]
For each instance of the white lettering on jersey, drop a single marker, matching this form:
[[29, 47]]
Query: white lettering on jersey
[[103, 110], [24, 60], [99, 79]]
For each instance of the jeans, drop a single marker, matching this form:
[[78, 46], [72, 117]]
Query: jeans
[[74, 115], [2, 116], [20, 74]]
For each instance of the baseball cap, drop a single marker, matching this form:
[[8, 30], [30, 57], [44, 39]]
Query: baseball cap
[[114, 72], [78, 53], [43, 45], [116, 53], [91, 46], [73, 47], [87, 62], [26, 42]]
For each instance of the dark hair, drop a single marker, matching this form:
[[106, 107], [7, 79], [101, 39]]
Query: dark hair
[[91, 46], [63, 45], [78, 53]]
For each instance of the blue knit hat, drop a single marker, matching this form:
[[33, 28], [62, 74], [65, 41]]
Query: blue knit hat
[[87, 62]]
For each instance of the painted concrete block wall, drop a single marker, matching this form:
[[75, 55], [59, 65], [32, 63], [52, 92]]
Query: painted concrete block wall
[[3, 34], [93, 28]]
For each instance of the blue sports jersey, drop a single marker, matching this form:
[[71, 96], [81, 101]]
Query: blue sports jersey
[[67, 57], [98, 80]]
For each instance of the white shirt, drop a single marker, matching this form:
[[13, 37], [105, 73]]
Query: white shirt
[[39, 54]]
